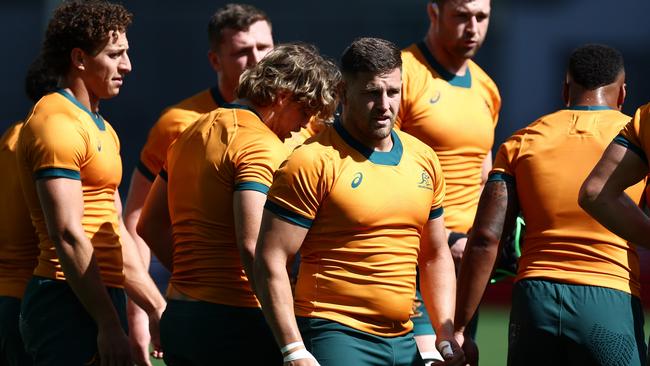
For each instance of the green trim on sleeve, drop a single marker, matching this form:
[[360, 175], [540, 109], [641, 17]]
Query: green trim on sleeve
[[623, 141], [145, 171], [287, 215], [57, 173], [501, 177], [435, 213], [252, 186]]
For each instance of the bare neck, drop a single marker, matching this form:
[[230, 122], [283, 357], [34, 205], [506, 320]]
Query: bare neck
[[454, 65], [76, 87]]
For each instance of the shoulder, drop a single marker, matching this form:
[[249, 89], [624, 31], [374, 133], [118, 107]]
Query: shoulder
[[178, 116], [483, 79]]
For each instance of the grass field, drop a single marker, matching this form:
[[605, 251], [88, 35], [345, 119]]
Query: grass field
[[492, 336]]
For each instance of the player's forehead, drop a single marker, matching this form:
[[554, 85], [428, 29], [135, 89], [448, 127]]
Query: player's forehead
[[388, 80], [116, 41], [258, 33]]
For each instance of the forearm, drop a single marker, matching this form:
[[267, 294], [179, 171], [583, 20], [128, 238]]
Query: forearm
[[438, 288], [618, 213], [274, 293], [247, 258], [138, 283], [138, 191], [76, 256], [473, 278]]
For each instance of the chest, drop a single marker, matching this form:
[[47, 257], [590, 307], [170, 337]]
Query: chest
[[450, 117], [365, 195], [103, 165]]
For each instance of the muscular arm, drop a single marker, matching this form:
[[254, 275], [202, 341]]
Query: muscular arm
[[138, 191], [278, 241], [248, 207], [496, 214], [602, 194], [438, 282], [62, 203], [138, 284], [139, 333], [154, 225]]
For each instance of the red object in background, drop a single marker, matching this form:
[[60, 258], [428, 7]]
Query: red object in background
[[500, 293]]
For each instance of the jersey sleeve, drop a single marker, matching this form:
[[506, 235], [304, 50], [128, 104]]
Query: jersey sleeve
[[636, 134], [161, 135], [58, 149], [414, 102], [439, 187], [299, 187], [256, 162], [503, 166]]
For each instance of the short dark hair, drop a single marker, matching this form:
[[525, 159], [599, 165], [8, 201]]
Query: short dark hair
[[39, 80], [595, 65], [81, 24], [296, 68], [374, 55], [234, 16]]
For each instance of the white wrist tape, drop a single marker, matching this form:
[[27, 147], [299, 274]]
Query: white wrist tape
[[291, 346], [300, 354], [432, 355], [445, 349]]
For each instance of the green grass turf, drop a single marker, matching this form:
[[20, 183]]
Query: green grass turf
[[492, 336]]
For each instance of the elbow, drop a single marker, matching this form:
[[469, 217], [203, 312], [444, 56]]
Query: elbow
[[589, 195], [483, 239]]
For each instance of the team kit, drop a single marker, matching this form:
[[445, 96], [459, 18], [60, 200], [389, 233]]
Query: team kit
[[305, 211]]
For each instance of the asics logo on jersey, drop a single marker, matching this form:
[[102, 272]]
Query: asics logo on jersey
[[435, 99], [425, 181], [99, 146], [356, 181]]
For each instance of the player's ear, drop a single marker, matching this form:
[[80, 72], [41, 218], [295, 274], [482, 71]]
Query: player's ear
[[433, 11], [565, 91], [215, 62], [77, 58], [622, 93]]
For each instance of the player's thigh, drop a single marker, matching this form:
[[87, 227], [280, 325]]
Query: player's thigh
[[202, 333], [603, 326], [56, 328], [534, 325], [12, 349]]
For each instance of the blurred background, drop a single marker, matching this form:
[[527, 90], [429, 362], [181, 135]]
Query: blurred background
[[525, 53]]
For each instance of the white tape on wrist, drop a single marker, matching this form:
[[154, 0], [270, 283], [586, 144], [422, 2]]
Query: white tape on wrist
[[298, 355], [445, 349], [289, 346]]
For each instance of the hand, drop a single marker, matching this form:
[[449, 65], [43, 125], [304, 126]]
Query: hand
[[139, 336], [300, 357], [113, 347], [154, 330], [469, 347], [450, 351]]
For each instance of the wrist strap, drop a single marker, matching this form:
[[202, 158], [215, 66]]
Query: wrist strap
[[291, 345], [299, 354], [444, 347]]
